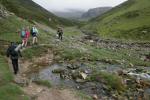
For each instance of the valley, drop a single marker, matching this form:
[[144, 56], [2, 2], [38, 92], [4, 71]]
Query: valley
[[88, 64]]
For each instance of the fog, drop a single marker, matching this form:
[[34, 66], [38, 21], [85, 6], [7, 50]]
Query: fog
[[64, 5]]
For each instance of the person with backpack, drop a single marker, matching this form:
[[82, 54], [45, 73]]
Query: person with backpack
[[60, 33], [34, 32], [23, 36], [27, 35], [14, 53]]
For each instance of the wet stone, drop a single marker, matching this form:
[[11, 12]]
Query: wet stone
[[59, 70], [73, 67], [80, 80]]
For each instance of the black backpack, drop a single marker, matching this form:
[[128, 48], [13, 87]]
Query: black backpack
[[13, 53]]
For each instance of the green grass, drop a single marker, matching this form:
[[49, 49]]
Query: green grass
[[5, 73], [44, 83], [8, 90], [103, 54], [70, 54], [35, 51], [33, 12], [112, 81], [127, 21], [11, 92], [9, 28], [83, 96]]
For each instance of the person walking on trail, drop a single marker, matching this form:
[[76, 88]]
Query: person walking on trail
[[23, 36], [60, 33], [34, 32], [14, 53], [27, 32]]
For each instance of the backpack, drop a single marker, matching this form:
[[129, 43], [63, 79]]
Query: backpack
[[23, 34], [33, 32], [13, 52]]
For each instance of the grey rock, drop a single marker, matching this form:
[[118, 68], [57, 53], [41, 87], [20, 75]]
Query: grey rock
[[147, 94], [59, 70], [80, 80]]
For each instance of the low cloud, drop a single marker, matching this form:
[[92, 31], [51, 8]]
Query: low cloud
[[63, 5]]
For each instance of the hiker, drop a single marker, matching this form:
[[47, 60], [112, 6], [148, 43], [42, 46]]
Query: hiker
[[27, 32], [60, 33], [34, 33], [14, 53], [23, 36]]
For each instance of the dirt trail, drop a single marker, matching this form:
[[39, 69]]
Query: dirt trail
[[37, 92]]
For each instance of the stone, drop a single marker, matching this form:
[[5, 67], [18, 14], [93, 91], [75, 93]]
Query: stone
[[59, 70], [66, 74], [80, 80], [120, 72], [95, 97], [78, 87], [129, 82], [105, 87], [73, 67], [131, 65], [22, 82], [144, 83], [83, 75], [147, 94]]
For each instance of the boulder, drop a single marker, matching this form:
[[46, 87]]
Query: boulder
[[147, 94], [75, 75], [83, 75]]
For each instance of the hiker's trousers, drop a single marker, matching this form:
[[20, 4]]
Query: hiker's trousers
[[15, 65], [60, 36]]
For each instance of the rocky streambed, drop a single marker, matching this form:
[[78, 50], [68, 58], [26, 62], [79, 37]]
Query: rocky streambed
[[136, 80]]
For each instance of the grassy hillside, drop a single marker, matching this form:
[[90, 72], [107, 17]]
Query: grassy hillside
[[31, 11], [9, 90], [130, 20]]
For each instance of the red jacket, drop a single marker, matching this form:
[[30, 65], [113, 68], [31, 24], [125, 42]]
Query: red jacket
[[27, 34]]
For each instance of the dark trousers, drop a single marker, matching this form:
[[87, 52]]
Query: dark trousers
[[15, 65], [60, 36]]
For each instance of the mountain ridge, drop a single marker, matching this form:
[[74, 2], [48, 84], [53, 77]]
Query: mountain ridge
[[129, 20], [29, 10], [94, 12]]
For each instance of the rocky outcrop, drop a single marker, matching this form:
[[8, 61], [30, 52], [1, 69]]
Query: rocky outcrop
[[3, 11]]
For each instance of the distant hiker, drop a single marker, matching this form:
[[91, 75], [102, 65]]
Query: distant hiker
[[34, 33], [60, 33], [27, 36], [14, 53], [23, 36]]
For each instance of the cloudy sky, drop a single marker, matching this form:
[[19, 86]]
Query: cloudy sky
[[64, 5]]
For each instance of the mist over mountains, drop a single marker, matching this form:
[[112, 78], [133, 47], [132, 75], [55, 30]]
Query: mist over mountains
[[82, 14], [70, 13]]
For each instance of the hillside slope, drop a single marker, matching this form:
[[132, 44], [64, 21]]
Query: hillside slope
[[130, 20], [92, 13], [30, 11]]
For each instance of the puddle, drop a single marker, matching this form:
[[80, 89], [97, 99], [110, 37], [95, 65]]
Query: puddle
[[54, 78]]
